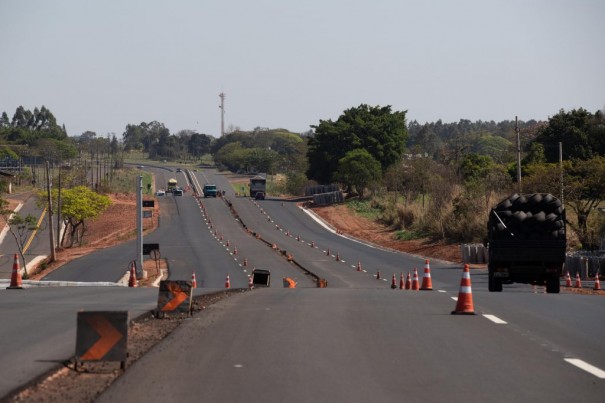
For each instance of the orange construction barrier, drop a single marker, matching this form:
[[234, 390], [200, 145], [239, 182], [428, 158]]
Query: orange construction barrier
[[464, 305], [16, 283], [227, 282], [578, 283], [415, 281], [567, 280], [193, 281], [427, 283]]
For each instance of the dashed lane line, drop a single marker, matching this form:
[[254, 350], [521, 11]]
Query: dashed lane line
[[591, 369]]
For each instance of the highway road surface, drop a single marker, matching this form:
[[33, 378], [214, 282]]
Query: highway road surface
[[357, 340]]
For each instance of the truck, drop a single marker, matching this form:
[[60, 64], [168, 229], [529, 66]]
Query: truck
[[209, 190], [172, 184], [258, 184], [527, 241]]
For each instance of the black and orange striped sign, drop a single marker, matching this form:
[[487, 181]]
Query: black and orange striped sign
[[175, 296], [102, 336]]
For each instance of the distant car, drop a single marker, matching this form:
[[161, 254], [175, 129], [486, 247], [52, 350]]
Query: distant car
[[177, 192], [160, 192], [179, 170], [259, 196]]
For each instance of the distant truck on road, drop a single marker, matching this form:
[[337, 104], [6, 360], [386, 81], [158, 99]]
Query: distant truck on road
[[258, 184], [527, 241], [209, 190], [172, 184]]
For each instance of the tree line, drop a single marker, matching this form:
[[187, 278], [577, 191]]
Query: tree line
[[434, 178]]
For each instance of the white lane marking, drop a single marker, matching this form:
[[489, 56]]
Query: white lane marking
[[238, 366], [495, 319], [454, 298], [599, 373], [441, 291]]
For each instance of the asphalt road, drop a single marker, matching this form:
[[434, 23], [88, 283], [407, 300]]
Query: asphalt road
[[357, 340], [359, 345]]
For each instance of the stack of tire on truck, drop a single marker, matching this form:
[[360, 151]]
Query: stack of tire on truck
[[527, 241]]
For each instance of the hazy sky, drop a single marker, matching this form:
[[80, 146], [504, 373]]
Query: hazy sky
[[100, 65]]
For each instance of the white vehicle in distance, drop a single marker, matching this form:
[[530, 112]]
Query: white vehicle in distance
[[160, 192]]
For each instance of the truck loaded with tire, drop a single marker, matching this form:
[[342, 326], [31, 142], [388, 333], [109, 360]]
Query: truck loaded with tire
[[527, 241]]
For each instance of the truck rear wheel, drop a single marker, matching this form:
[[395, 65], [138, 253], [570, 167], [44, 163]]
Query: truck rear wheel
[[553, 285], [494, 284]]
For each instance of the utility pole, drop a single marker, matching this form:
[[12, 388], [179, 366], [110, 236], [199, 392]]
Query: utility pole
[[53, 255], [139, 252], [222, 96], [561, 169], [518, 154]]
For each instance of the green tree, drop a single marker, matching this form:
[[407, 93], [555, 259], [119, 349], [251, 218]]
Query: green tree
[[378, 130], [358, 169], [572, 129], [78, 205]]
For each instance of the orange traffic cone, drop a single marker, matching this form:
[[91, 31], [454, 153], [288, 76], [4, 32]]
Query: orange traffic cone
[[408, 282], [132, 280], [359, 265], [250, 283], [227, 243], [415, 282], [597, 282], [227, 282], [378, 275], [193, 281], [245, 262], [328, 252], [578, 283], [393, 282], [235, 250], [16, 283], [427, 283], [401, 282], [567, 280], [298, 237], [337, 257], [464, 305]]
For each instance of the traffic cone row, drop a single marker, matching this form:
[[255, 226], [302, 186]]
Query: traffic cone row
[[578, 283], [427, 283], [132, 280], [16, 283], [567, 280], [464, 304]]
